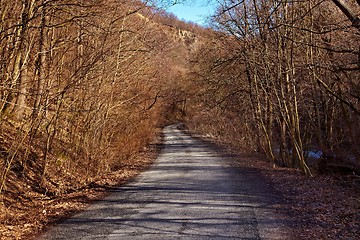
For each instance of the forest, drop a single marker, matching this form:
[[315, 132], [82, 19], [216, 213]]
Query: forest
[[80, 85], [282, 77], [86, 85]]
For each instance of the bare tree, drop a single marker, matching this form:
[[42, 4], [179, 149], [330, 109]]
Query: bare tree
[[284, 51]]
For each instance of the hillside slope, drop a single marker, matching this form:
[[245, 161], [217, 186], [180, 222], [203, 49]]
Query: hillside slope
[[84, 96]]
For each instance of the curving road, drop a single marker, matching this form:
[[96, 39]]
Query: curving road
[[191, 192]]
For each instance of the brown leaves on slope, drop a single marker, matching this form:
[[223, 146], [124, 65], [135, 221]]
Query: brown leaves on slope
[[324, 207], [28, 212]]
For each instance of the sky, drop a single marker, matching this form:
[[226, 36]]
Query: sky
[[195, 11]]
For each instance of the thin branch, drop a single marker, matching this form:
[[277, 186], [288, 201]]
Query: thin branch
[[329, 90], [355, 20]]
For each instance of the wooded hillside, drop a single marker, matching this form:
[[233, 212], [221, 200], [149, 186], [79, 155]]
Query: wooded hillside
[[85, 86], [282, 78]]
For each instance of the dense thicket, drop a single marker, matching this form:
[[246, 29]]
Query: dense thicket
[[282, 77], [84, 84], [81, 84]]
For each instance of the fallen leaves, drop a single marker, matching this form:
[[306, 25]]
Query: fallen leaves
[[30, 212], [325, 207]]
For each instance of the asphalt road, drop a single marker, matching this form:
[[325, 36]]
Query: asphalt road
[[191, 192]]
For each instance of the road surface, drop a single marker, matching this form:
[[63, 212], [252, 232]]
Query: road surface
[[190, 192]]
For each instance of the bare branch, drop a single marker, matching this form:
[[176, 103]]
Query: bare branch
[[355, 20]]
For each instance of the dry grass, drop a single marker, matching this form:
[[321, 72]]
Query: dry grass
[[29, 212], [30, 201]]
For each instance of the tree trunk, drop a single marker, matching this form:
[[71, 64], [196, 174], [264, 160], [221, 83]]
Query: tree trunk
[[349, 13]]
